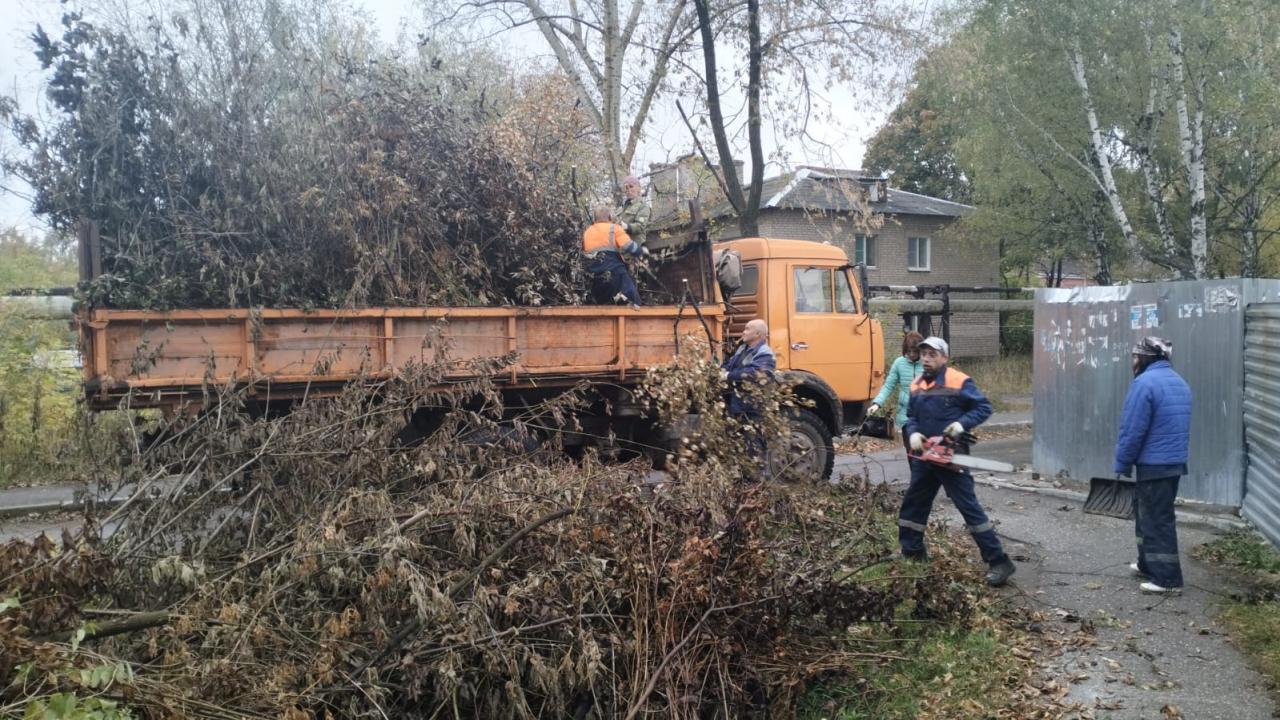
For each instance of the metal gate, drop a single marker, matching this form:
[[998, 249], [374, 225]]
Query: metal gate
[[1262, 418]]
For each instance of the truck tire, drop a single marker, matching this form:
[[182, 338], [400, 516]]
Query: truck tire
[[810, 455]]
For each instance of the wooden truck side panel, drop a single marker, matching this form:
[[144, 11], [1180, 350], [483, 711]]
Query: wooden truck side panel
[[169, 355]]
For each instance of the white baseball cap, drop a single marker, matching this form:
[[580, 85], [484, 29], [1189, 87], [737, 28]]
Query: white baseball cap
[[936, 343]]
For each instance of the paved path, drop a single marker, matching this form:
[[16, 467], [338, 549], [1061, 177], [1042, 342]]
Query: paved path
[[1149, 652]]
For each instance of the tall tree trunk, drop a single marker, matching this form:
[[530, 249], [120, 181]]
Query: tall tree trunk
[[1148, 124], [1191, 140], [1250, 212], [749, 221], [610, 91], [1076, 59], [732, 183], [1098, 239]]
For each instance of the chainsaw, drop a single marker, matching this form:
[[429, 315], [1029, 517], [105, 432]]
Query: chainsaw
[[941, 450]]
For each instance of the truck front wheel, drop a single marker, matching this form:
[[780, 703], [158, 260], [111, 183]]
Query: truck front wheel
[[809, 455]]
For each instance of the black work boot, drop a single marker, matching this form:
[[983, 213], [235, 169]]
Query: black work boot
[[920, 557], [998, 574]]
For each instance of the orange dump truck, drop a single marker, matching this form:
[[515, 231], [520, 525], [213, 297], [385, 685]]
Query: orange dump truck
[[826, 345]]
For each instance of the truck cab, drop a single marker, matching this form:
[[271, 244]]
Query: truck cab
[[827, 344]]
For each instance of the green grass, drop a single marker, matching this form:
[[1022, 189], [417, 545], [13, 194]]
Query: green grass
[[1243, 549], [1005, 380], [1255, 627], [1253, 622], [954, 672]]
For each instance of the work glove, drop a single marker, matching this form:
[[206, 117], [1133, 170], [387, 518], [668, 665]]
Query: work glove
[[873, 409], [954, 430], [917, 442]]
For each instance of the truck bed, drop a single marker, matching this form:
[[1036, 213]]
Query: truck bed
[[161, 359]]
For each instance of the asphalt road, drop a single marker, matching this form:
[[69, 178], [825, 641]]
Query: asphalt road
[[1148, 652]]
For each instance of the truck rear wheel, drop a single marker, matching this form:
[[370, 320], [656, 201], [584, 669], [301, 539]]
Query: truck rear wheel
[[810, 455]]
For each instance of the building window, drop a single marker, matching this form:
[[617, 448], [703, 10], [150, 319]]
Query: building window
[[813, 290], [750, 280], [918, 252], [864, 250]]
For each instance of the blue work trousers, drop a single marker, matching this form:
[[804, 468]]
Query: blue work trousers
[[611, 278], [1157, 531], [917, 503]]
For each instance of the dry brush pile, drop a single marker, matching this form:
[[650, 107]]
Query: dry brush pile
[[257, 152], [300, 566]]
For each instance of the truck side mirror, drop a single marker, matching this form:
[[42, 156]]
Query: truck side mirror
[[862, 286]]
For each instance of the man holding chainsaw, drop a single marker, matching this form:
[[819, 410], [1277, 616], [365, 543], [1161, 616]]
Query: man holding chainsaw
[[945, 405]]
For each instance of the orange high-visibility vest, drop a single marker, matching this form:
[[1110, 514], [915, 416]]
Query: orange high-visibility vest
[[952, 379], [596, 238]]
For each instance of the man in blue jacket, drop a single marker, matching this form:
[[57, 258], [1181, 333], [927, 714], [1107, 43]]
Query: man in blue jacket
[[752, 361], [1155, 431], [945, 401]]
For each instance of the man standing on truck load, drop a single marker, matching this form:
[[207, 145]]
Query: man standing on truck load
[[633, 215], [603, 245], [1155, 431], [946, 402], [752, 361]]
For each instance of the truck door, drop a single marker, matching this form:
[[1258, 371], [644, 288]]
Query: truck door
[[830, 335]]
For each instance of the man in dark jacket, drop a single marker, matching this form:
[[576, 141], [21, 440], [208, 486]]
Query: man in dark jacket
[[1155, 432], [945, 401], [753, 361]]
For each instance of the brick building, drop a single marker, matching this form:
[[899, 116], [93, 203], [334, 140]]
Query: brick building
[[900, 235]]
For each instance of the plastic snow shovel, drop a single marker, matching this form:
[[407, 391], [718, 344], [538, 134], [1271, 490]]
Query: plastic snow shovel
[[1113, 497]]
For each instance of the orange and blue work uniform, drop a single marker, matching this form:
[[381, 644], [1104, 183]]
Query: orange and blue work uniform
[[603, 245], [936, 402]]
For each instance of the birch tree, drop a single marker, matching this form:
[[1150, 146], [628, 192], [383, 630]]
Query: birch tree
[[1103, 176], [1191, 143]]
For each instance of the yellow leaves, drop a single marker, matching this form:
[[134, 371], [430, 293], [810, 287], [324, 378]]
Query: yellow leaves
[[230, 613]]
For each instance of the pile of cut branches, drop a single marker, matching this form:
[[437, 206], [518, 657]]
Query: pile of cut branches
[[281, 160], [305, 565]]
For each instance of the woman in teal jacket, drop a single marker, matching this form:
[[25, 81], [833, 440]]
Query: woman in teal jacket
[[904, 370]]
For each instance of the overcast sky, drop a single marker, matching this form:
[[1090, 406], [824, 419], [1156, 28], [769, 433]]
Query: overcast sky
[[839, 142]]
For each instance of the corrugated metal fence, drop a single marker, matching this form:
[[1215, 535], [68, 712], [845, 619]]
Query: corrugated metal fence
[[1083, 338], [1262, 418]]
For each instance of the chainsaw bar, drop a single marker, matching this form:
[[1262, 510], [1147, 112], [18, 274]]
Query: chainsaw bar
[[977, 463], [942, 451]]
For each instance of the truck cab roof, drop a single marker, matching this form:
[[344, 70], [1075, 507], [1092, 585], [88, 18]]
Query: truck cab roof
[[759, 248]]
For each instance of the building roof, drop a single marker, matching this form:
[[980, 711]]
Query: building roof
[[832, 190]]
